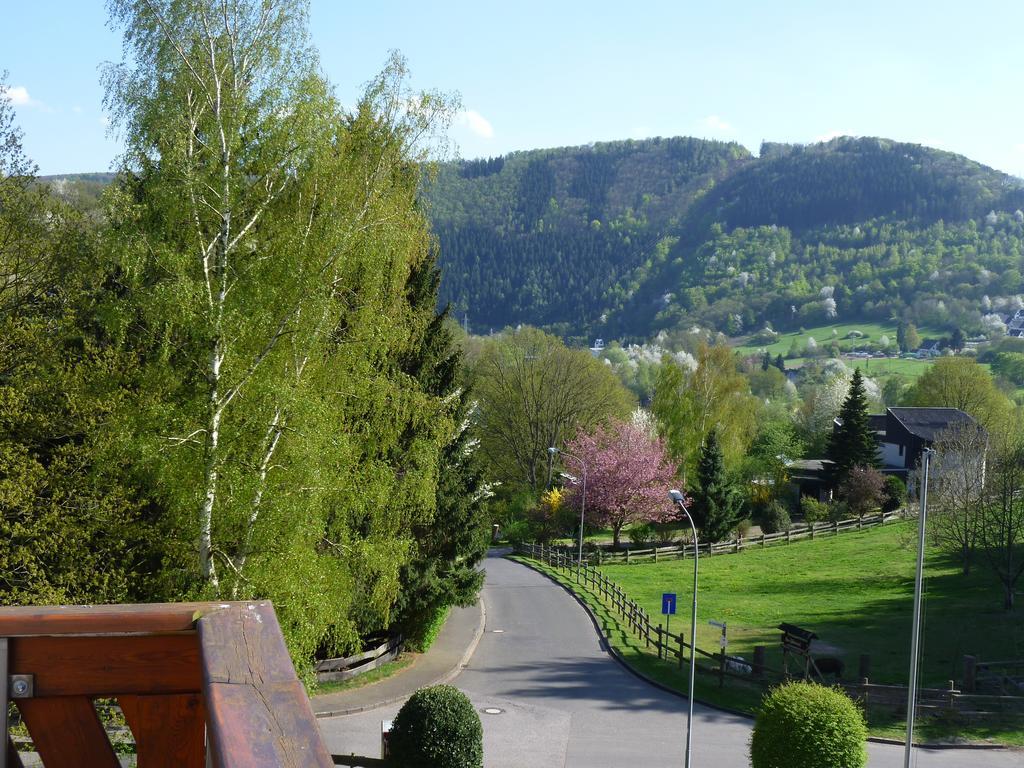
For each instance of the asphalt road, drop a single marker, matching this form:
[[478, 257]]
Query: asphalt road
[[565, 702]]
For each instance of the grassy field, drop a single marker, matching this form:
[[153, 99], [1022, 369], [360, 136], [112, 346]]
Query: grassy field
[[855, 592], [823, 335]]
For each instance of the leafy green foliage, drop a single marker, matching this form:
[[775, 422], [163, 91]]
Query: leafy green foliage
[[437, 728], [71, 529], [805, 725], [263, 244], [894, 493], [535, 393]]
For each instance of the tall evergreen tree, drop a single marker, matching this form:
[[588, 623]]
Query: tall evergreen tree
[[717, 504], [443, 569], [852, 442]]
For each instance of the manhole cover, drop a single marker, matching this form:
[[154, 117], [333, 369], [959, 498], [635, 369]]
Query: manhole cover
[[492, 711]]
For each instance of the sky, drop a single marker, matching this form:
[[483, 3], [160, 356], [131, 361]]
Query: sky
[[533, 74]]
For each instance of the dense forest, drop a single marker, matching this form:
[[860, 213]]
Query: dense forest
[[629, 238]]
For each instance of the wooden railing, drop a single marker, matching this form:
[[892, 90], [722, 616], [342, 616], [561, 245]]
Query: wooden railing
[[674, 552], [199, 684], [336, 670]]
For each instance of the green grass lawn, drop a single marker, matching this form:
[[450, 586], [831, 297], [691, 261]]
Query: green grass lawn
[[823, 335], [855, 591]]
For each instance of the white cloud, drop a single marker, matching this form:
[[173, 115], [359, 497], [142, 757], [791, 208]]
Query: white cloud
[[104, 121], [76, 109], [18, 96], [717, 124], [476, 123]]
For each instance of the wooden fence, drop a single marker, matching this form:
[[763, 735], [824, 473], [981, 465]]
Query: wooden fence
[[678, 551], [333, 670], [673, 647]]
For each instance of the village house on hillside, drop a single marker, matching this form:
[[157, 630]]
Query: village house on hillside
[[902, 435]]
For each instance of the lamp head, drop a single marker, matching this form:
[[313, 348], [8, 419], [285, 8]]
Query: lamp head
[[552, 450], [676, 495]]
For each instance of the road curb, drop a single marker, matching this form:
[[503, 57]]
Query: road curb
[[444, 678], [615, 654]]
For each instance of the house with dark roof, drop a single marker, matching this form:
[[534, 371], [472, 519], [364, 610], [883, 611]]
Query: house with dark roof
[[902, 435], [908, 431]]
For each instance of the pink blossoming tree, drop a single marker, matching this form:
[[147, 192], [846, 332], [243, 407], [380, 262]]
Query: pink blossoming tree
[[628, 477]]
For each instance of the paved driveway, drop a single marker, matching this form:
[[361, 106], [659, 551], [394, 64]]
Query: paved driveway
[[566, 702]]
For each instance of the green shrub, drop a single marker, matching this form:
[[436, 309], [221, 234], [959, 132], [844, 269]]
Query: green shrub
[[894, 494], [642, 533], [516, 532], [743, 528], [806, 725], [428, 633], [437, 728], [813, 511], [839, 511], [775, 518]]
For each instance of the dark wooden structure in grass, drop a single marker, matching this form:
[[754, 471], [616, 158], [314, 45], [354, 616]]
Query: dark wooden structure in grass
[[199, 684]]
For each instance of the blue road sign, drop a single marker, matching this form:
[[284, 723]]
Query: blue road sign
[[668, 603]]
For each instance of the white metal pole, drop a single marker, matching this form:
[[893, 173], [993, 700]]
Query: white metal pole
[[915, 636], [677, 497], [583, 507], [693, 638]]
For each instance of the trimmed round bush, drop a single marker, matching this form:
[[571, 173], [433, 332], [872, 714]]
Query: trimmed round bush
[[437, 728], [806, 725], [775, 518]]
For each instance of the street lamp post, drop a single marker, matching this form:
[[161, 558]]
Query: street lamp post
[[678, 498], [915, 634], [583, 500]]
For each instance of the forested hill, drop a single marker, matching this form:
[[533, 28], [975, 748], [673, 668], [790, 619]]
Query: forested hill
[[544, 236], [625, 239], [630, 238]]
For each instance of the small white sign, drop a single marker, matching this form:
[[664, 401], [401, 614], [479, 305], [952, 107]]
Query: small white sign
[[722, 642]]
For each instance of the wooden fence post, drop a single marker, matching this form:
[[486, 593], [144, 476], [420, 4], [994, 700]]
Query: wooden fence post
[[758, 665], [789, 536], [970, 673], [627, 554], [681, 654], [865, 686]]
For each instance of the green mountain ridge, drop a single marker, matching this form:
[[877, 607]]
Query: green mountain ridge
[[626, 239], [631, 238]]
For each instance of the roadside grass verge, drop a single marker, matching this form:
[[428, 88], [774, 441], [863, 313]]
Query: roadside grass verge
[[368, 678], [855, 591]]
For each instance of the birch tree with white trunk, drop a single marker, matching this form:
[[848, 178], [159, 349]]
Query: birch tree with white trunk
[[264, 237]]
